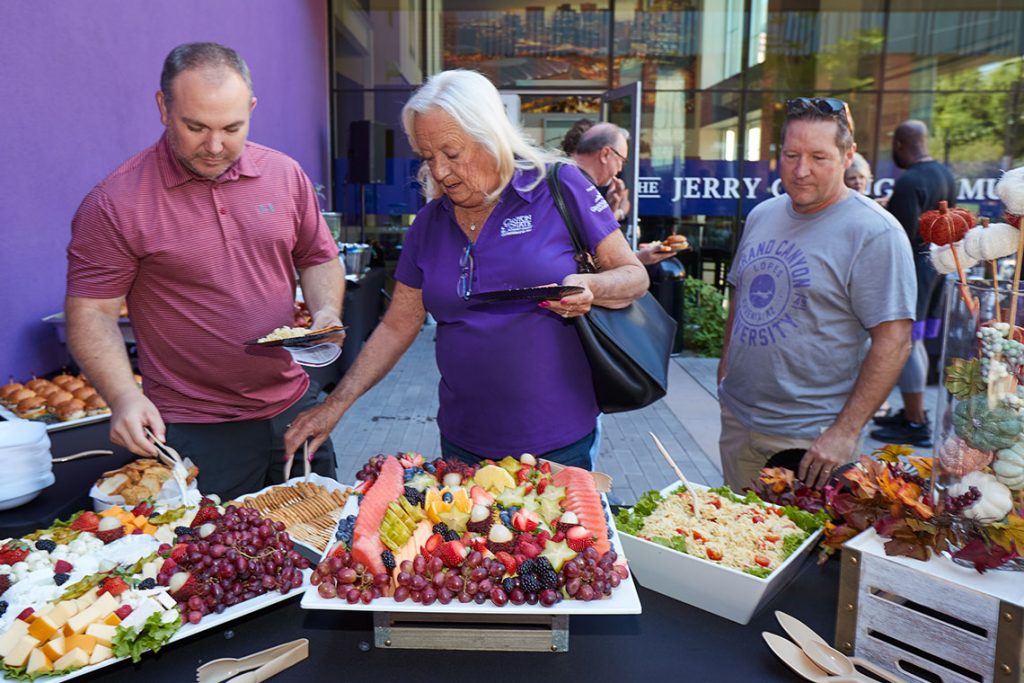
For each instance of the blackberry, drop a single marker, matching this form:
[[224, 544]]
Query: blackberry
[[451, 535], [548, 579], [508, 584], [413, 496], [530, 583], [146, 584], [60, 579], [46, 544], [440, 528], [528, 567], [183, 531], [543, 564], [3, 607], [388, 559]]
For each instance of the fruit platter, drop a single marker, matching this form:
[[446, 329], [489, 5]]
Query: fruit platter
[[714, 549], [98, 588], [500, 538]]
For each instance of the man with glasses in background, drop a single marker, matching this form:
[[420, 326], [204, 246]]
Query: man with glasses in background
[[820, 317]]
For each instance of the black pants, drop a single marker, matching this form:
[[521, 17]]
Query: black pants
[[235, 458]]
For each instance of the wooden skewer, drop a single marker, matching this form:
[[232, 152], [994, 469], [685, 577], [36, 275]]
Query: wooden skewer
[[994, 264], [1016, 283], [679, 473]]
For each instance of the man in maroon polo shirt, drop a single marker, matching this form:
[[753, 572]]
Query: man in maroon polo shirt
[[203, 233]]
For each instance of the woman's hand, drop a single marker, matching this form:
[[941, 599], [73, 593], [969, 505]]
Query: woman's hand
[[573, 305]]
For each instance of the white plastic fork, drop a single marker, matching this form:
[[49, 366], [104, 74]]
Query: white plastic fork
[[256, 667]]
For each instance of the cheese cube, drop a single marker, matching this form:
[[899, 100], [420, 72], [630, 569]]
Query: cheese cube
[[42, 628], [101, 653], [148, 528], [38, 662], [42, 611], [150, 570], [140, 521], [97, 611], [69, 608], [112, 620], [80, 641], [20, 652], [74, 659], [85, 600], [102, 632], [15, 632], [165, 600], [54, 649]]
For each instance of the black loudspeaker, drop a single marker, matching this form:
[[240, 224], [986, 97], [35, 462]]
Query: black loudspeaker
[[367, 152]]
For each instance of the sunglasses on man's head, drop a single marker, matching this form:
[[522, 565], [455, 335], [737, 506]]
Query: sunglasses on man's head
[[829, 106]]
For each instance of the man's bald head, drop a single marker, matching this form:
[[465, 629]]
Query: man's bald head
[[910, 143], [602, 152]]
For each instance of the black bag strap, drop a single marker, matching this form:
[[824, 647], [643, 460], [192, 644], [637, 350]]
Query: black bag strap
[[584, 259]]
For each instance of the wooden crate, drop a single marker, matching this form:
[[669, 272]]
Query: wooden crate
[[930, 621], [426, 631]]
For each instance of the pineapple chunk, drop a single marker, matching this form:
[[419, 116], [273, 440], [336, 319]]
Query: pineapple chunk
[[54, 649], [38, 662], [15, 632], [74, 659], [20, 652], [101, 653]]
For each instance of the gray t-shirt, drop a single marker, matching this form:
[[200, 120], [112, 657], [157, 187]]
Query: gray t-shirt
[[808, 289]]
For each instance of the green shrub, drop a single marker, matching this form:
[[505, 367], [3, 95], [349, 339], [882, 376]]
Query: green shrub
[[703, 318]]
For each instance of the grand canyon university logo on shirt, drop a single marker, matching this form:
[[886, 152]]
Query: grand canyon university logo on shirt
[[516, 225], [774, 276]]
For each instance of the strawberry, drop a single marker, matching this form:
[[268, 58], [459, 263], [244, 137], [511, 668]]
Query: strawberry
[[578, 538], [5, 583], [523, 474], [26, 613], [144, 509], [109, 529], [506, 559], [114, 585], [545, 467], [87, 521], [182, 586], [525, 520], [541, 485], [123, 611], [207, 513], [558, 537], [10, 554], [62, 567], [178, 551], [452, 553], [432, 544], [168, 566]]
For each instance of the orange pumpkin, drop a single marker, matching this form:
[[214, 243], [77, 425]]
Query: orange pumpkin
[[944, 225]]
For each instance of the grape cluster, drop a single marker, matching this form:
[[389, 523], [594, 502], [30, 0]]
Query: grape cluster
[[591, 576], [244, 556], [371, 469], [896, 472], [956, 504], [341, 576]]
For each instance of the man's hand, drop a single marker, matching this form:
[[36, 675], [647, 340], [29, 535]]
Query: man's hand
[[650, 255], [829, 451], [130, 416], [314, 424], [618, 198], [322, 320]]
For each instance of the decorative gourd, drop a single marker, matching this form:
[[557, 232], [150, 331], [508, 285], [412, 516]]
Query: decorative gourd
[[957, 458], [995, 501], [944, 225], [963, 378], [1009, 466], [1010, 190], [992, 242], [984, 428], [944, 262]]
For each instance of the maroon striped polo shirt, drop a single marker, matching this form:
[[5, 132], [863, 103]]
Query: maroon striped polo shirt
[[206, 265]]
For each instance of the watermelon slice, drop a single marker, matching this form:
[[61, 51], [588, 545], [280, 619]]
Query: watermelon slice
[[582, 498], [366, 543]]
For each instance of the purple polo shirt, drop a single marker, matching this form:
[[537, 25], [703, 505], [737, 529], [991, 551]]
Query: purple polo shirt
[[514, 378]]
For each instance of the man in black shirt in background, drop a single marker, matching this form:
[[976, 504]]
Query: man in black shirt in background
[[922, 186]]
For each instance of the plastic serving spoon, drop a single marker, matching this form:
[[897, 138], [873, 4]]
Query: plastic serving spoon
[[793, 657], [824, 655], [834, 661]]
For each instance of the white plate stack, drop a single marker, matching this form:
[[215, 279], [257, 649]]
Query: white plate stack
[[27, 464]]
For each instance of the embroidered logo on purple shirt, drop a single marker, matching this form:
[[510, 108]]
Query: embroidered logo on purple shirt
[[516, 225]]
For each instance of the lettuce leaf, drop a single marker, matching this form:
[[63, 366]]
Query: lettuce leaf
[[21, 674], [130, 642], [759, 572], [791, 542], [677, 543], [808, 521]]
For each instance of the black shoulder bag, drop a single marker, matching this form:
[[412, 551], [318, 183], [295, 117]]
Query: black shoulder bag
[[628, 348]]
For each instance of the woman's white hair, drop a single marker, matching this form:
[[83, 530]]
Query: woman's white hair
[[473, 102]]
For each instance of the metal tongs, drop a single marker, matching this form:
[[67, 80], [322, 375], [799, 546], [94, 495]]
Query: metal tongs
[[172, 458], [258, 666], [307, 462]]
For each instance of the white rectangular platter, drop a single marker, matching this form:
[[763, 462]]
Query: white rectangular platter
[[188, 630], [57, 426], [722, 590], [314, 478], [623, 600]]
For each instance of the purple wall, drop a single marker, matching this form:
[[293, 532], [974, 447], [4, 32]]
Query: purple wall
[[77, 84]]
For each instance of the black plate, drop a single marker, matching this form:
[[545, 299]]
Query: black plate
[[529, 294], [314, 335]]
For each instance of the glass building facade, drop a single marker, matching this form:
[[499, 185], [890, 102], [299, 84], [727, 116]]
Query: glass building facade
[[714, 77]]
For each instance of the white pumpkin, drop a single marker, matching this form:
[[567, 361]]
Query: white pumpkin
[[942, 258], [995, 241], [1009, 466], [995, 502]]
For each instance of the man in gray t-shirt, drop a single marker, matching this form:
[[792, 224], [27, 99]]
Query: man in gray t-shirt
[[820, 318]]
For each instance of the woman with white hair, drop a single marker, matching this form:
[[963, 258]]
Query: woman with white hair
[[514, 377]]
